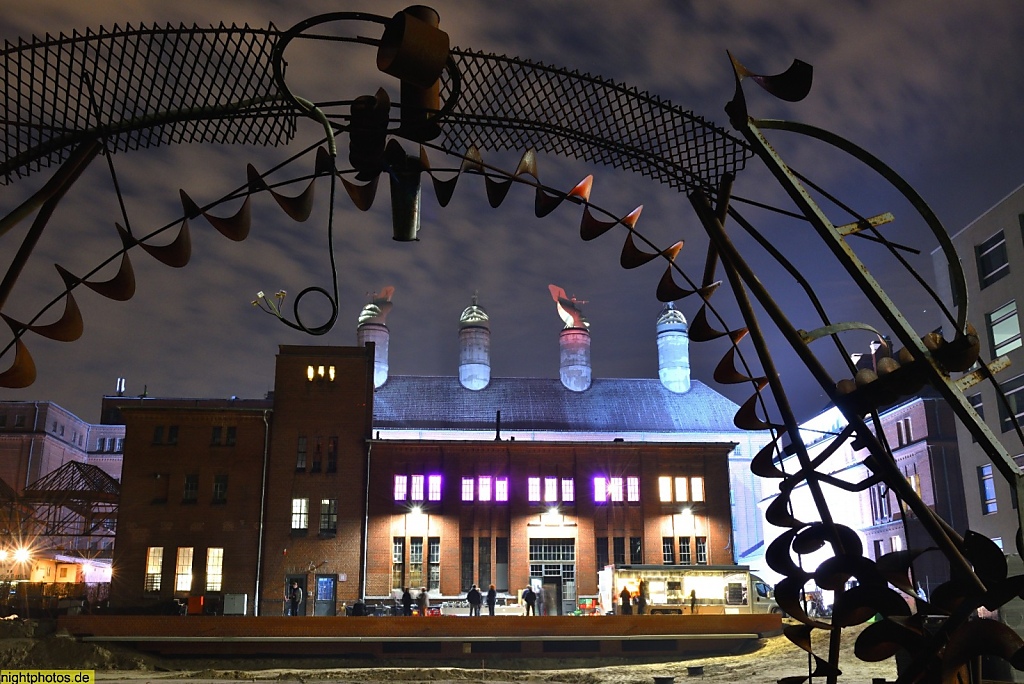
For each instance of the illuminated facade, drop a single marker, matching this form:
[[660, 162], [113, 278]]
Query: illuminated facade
[[356, 484]]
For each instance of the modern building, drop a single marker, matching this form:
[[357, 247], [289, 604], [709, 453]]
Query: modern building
[[921, 434], [356, 483], [58, 494], [992, 254]]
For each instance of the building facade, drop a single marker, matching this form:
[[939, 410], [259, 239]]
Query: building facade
[[356, 484], [992, 255]]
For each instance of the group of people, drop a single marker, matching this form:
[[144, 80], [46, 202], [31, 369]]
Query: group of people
[[422, 601], [627, 598], [476, 599]]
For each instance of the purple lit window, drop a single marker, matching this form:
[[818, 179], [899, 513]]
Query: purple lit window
[[550, 489], [467, 488], [615, 488], [501, 489], [600, 490], [401, 487], [485, 488], [568, 490], [533, 488], [632, 489], [416, 493], [434, 487]]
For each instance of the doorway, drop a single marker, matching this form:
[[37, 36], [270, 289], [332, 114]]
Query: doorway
[[553, 571], [326, 590], [301, 580]]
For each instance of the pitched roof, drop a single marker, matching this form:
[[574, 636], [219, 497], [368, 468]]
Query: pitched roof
[[543, 404]]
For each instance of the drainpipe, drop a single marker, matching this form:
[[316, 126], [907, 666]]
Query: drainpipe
[[366, 520], [263, 514], [31, 446]]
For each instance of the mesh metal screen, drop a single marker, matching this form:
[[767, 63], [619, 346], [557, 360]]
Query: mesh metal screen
[[507, 103], [139, 87]]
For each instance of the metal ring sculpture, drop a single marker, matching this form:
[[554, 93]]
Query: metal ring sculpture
[[73, 107]]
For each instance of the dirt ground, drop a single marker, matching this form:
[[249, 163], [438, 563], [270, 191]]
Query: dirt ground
[[33, 645]]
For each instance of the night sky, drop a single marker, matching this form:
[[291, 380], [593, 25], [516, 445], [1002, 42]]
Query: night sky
[[933, 89]]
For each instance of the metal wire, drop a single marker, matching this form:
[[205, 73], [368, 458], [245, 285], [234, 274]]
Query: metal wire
[[510, 103], [151, 86]]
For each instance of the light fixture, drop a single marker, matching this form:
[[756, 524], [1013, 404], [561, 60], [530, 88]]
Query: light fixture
[[3, 555], [21, 555]]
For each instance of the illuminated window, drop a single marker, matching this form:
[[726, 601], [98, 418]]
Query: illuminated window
[[685, 557], [485, 488], [665, 489], [615, 488], [568, 490], [550, 489], [401, 487], [300, 514], [434, 488], [214, 569], [600, 490], [632, 489], [897, 543], [183, 569], [1003, 329], [467, 488], [533, 488], [154, 567], [416, 488], [987, 485], [681, 491], [696, 488], [501, 489]]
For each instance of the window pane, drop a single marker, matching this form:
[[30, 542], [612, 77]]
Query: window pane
[[681, 489], [401, 487], [501, 489], [485, 488], [991, 257], [1014, 391], [1004, 329], [183, 569], [600, 490], [632, 489], [214, 569], [416, 490], [434, 488], [665, 489], [467, 489], [300, 514], [568, 490], [550, 489], [533, 488], [615, 488], [697, 488]]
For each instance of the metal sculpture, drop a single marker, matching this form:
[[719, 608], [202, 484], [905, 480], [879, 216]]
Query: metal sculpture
[[456, 102]]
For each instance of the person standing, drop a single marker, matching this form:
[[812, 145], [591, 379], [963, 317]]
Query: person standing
[[423, 602], [294, 598], [641, 598], [406, 602], [529, 598], [625, 607], [475, 599], [542, 601], [492, 598]]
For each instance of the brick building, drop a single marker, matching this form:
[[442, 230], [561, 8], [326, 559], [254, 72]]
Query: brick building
[[356, 484]]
